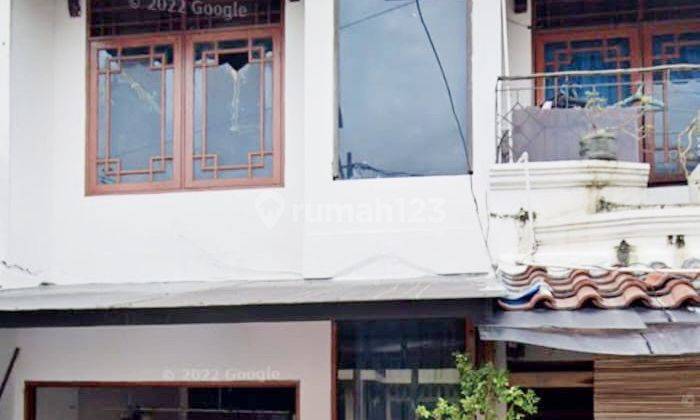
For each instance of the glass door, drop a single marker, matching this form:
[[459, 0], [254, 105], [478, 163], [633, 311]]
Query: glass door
[[673, 145]]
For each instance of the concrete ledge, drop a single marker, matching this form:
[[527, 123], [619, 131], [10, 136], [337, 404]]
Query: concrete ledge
[[569, 174], [653, 222]]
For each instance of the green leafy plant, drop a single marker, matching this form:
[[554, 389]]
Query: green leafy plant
[[481, 391]]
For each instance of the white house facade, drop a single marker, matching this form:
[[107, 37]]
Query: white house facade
[[300, 209]]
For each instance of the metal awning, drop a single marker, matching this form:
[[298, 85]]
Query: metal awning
[[248, 293], [629, 332]]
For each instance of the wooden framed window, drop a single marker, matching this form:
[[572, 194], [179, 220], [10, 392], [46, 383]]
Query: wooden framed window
[[559, 51], [259, 400], [233, 139], [671, 43], [134, 104], [184, 109], [592, 35]]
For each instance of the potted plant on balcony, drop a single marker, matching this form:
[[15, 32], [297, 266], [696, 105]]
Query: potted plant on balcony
[[601, 142]]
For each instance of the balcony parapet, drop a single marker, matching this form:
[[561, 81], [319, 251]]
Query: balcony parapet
[[569, 174], [649, 114]]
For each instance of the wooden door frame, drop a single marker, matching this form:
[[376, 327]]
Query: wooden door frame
[[640, 35], [479, 351]]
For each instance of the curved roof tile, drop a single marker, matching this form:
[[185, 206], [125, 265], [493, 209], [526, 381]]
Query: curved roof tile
[[535, 287]]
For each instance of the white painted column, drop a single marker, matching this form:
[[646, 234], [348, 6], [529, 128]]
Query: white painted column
[[319, 88], [4, 125], [321, 108], [486, 67]]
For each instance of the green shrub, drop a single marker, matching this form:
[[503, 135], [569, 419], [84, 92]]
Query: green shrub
[[481, 391]]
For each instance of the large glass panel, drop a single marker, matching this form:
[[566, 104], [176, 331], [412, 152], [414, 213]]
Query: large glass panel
[[676, 129], [398, 117], [387, 368], [135, 115], [233, 109]]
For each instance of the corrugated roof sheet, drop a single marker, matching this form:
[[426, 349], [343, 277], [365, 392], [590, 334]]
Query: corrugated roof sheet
[[536, 287], [241, 293], [632, 331], [654, 340]]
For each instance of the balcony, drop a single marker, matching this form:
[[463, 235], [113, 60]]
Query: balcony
[[643, 114]]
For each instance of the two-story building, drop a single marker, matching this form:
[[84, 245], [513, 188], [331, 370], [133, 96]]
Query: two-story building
[[301, 209]]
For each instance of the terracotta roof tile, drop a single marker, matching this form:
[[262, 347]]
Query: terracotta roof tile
[[607, 289]]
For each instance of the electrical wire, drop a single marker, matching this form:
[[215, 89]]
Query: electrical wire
[[446, 82], [467, 154], [374, 15]]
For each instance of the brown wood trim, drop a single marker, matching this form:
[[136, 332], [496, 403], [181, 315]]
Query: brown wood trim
[[29, 402], [92, 187], [277, 124], [647, 32], [552, 379], [486, 351], [30, 388], [647, 387], [540, 39], [334, 370], [182, 111], [88, 20], [625, 25], [298, 402], [470, 338], [186, 32]]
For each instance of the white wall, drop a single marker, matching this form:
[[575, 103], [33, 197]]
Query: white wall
[[520, 40], [207, 235], [281, 351], [31, 124], [4, 123]]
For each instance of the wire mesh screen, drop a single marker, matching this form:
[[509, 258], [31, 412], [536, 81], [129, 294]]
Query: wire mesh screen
[[127, 17], [550, 14]]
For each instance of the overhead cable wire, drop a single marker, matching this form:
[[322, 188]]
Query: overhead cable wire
[[375, 15], [467, 154]]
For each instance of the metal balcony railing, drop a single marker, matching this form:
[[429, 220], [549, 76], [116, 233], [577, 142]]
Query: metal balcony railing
[[649, 114]]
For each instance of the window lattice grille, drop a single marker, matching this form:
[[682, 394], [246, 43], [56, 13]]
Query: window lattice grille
[[127, 17], [550, 14]]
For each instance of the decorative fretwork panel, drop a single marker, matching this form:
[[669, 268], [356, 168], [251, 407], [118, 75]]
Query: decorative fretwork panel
[[644, 40], [125, 17], [555, 14], [233, 111], [184, 94], [135, 114], [586, 54]]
